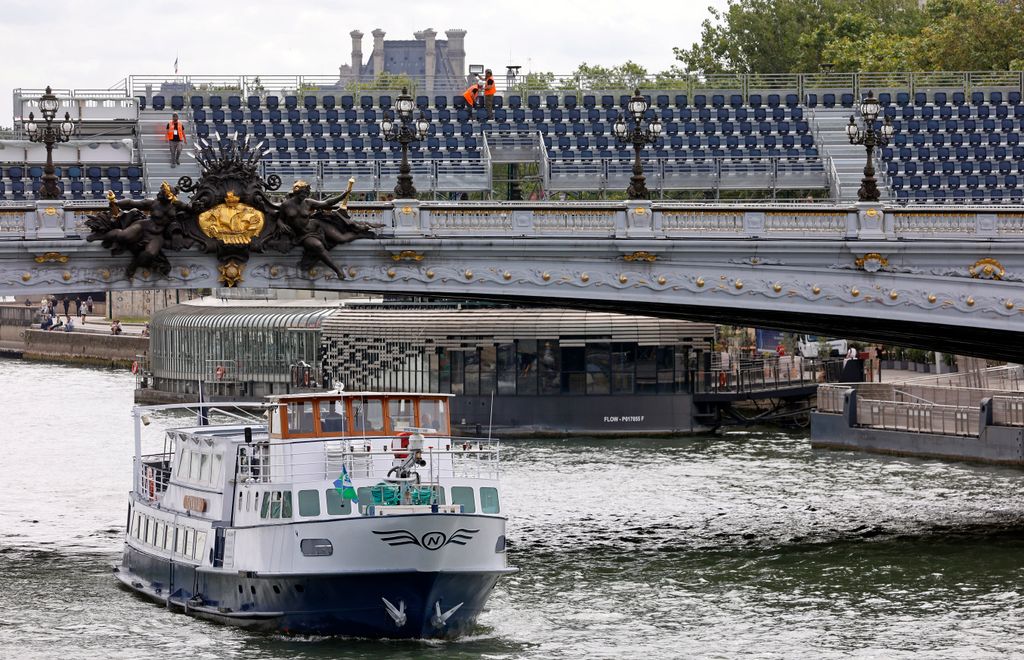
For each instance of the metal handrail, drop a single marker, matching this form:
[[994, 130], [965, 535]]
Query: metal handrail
[[526, 83]]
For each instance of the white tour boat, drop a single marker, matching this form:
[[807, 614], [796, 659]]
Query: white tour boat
[[350, 513]]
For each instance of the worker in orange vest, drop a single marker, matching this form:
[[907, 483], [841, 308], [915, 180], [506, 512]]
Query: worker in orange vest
[[471, 94], [176, 139], [489, 90]]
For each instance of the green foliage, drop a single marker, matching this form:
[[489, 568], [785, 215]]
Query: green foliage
[[799, 36], [392, 81], [628, 75]]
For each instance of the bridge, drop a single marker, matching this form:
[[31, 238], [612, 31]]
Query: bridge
[[946, 278]]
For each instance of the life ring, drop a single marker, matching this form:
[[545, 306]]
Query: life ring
[[402, 442], [151, 482], [722, 379], [135, 366], [305, 378], [219, 372]]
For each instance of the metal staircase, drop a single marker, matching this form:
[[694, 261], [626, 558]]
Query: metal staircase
[[156, 156], [847, 159]]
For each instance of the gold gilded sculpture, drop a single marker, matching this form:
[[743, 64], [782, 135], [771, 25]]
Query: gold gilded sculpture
[[232, 222]]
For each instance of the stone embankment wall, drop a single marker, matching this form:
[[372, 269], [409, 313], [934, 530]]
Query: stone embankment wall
[[83, 348]]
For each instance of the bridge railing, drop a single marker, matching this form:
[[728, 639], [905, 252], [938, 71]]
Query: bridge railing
[[21, 220]]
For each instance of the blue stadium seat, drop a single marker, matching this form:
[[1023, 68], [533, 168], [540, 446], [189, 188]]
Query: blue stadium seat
[[234, 102], [253, 103], [272, 103], [681, 100], [177, 102], [215, 103], [291, 102], [158, 102]]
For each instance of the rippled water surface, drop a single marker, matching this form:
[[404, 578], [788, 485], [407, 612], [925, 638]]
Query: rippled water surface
[[749, 544]]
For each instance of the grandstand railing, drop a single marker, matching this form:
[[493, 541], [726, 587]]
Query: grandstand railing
[[376, 177], [539, 82], [706, 173]]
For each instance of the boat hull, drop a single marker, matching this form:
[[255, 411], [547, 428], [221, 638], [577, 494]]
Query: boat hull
[[349, 604]]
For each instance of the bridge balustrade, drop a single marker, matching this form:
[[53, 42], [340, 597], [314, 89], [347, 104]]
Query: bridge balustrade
[[21, 220]]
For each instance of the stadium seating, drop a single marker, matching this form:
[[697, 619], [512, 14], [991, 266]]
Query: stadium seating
[[954, 148], [948, 145]]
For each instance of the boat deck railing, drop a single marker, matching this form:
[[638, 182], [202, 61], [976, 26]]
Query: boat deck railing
[[365, 457]]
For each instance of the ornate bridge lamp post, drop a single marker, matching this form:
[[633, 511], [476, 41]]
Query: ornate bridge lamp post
[[640, 137], [49, 135], [870, 138], [405, 132]]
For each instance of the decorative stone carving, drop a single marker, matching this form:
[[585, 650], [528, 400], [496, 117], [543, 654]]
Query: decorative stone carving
[[230, 215]]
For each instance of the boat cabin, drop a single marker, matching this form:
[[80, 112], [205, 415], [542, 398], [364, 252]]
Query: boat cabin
[[357, 414]]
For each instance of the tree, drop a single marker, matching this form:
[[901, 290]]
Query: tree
[[798, 36], [628, 75]]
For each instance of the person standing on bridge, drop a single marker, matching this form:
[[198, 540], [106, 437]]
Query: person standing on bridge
[[176, 139]]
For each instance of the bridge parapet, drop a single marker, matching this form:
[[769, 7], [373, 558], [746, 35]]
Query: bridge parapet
[[32, 220]]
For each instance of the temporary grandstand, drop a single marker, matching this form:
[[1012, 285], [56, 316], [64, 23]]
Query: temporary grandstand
[[956, 137]]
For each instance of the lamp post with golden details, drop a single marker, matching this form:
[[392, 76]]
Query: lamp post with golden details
[[49, 134], [405, 131], [639, 137], [870, 137]]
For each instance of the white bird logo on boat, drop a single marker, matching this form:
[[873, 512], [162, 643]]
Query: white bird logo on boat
[[429, 541]]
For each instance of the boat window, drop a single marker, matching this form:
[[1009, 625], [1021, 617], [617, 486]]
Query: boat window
[[135, 524], [150, 530], [401, 414], [200, 544], [433, 415], [169, 539], [182, 467], [316, 547], [336, 504], [368, 416], [464, 495], [190, 541], [193, 470], [309, 503], [265, 511], [158, 537], [489, 500], [300, 417], [204, 472], [218, 461], [275, 504], [286, 504], [248, 500], [179, 540], [332, 417]]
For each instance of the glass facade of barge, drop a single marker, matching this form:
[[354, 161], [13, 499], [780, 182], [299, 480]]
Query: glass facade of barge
[[529, 367]]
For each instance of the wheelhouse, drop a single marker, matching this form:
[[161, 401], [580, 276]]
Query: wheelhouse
[[341, 415]]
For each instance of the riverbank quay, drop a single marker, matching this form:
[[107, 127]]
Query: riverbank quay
[[89, 344], [928, 417]]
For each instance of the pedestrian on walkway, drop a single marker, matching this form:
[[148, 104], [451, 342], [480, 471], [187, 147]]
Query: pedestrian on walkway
[[66, 301], [176, 139]]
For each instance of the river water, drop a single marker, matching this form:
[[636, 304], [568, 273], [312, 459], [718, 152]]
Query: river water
[[747, 544]]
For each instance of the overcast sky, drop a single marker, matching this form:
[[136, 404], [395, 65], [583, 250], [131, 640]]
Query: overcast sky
[[95, 44]]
